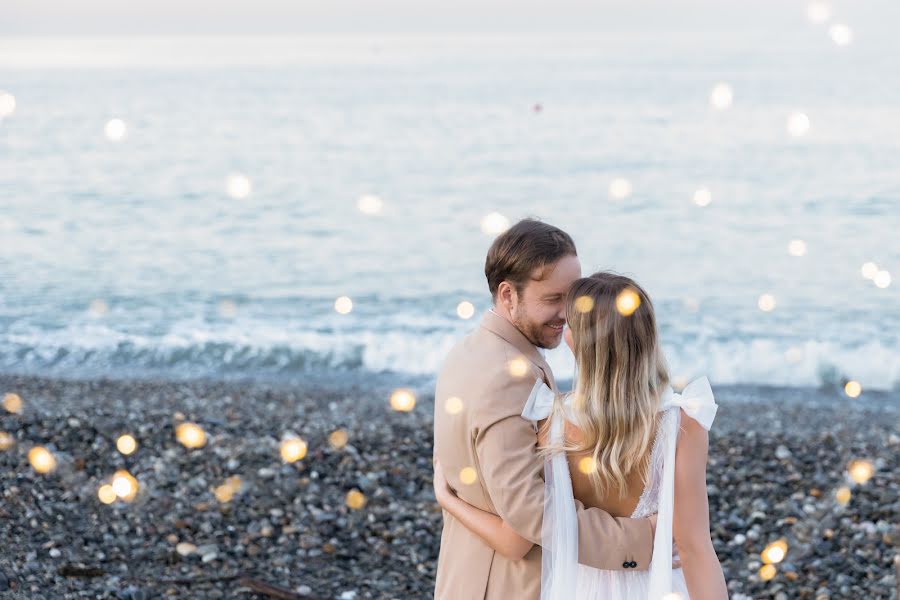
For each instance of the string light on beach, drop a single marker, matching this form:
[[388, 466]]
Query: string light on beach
[[702, 197], [818, 12], [453, 405], [41, 459], [840, 34], [7, 441], [124, 485], [465, 310], [494, 224], [627, 302], [860, 471], [343, 305], [115, 130], [355, 499], [587, 465], [468, 475], [869, 270], [766, 303], [190, 435], [882, 279], [126, 444], [518, 367], [584, 304], [106, 494], [842, 495], [798, 124], [767, 572], [620, 188], [7, 104], [721, 96], [238, 186], [403, 400], [338, 439], [12, 402], [853, 388], [775, 552], [293, 448], [370, 205], [797, 248]]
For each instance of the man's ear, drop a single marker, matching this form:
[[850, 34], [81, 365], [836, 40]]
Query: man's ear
[[506, 295]]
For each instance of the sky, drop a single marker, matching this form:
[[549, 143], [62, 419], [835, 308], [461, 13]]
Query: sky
[[115, 17]]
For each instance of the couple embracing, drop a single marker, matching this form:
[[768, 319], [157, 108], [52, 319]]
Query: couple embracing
[[596, 494]]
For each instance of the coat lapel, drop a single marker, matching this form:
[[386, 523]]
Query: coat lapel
[[506, 330]]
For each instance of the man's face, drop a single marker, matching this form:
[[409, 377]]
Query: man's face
[[539, 312]]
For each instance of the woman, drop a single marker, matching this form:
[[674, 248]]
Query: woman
[[622, 441]]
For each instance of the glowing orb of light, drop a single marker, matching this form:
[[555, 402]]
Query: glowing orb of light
[[853, 388], [468, 475], [584, 304], [124, 485], [355, 499], [775, 552], [338, 439], [238, 186], [7, 441], [126, 444], [190, 435], [587, 465], [818, 12], [767, 572], [224, 493], [465, 310], [843, 495], [627, 302], [882, 279], [840, 34], [107, 494], [869, 270], [766, 303], [115, 130], [403, 400], [453, 405], [702, 197], [98, 308], [797, 248], [41, 459], [370, 205], [343, 305], [494, 224], [721, 96], [7, 104], [798, 124], [293, 449], [518, 367], [861, 471], [620, 188], [12, 403]]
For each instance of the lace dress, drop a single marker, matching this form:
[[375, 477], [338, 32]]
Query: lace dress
[[562, 577]]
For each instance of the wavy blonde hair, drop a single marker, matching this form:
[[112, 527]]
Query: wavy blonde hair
[[620, 373]]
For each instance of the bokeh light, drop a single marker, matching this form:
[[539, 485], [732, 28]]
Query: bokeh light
[[775, 552], [343, 305], [721, 96], [843, 495], [818, 12], [41, 459], [7, 104], [853, 388], [465, 310], [882, 279], [238, 186], [190, 435], [627, 302], [798, 124], [584, 304], [355, 499], [766, 303], [338, 439], [292, 449], [126, 444], [453, 405], [115, 130], [620, 188], [12, 403], [494, 224], [403, 400], [98, 308], [797, 248], [869, 270], [107, 494], [587, 465], [840, 34], [767, 572], [370, 205], [861, 471], [124, 485], [7, 441], [518, 367], [702, 197], [468, 475]]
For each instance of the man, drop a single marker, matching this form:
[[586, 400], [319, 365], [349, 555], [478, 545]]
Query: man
[[488, 451]]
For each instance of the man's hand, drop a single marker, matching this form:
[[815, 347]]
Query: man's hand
[[676, 564]]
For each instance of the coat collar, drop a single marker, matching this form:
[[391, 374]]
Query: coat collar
[[509, 332]]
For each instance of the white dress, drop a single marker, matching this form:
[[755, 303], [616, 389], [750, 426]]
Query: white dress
[[562, 577]]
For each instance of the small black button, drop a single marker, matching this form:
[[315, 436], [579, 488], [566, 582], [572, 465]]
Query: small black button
[[626, 565], [633, 564]]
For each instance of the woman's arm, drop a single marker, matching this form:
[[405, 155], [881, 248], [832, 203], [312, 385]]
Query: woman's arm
[[690, 527], [488, 526]]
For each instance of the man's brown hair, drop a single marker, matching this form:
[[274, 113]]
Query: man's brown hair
[[528, 245]]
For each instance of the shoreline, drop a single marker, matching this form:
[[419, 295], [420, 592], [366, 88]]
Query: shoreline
[[777, 456]]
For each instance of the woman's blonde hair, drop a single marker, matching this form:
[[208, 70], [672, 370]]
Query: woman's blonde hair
[[620, 373]]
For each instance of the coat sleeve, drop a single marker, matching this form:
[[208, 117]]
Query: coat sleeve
[[512, 469]]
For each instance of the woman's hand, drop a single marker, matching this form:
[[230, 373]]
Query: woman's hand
[[442, 489]]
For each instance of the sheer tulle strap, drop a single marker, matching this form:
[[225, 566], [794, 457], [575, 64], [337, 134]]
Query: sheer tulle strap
[[559, 531], [698, 402]]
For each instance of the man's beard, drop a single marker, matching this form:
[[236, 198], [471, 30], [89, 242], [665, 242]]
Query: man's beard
[[536, 333]]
